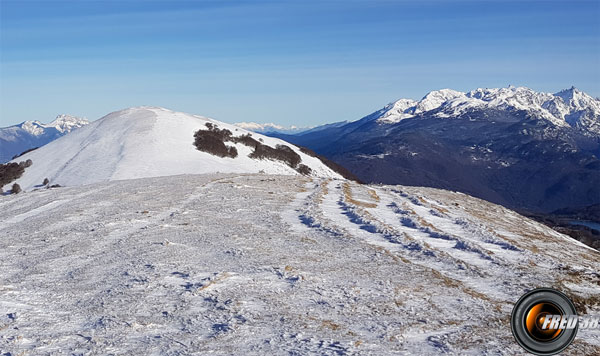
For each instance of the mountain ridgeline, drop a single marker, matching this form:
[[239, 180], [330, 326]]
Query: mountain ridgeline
[[29, 135], [530, 151]]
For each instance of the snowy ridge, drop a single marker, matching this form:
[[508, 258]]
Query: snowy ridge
[[569, 107], [146, 142], [30, 134], [234, 264], [63, 123], [66, 123]]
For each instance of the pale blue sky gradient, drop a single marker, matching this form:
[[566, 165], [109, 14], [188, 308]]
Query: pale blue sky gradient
[[293, 62]]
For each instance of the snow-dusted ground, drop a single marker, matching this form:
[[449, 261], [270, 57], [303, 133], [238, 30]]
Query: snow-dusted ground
[[230, 264]]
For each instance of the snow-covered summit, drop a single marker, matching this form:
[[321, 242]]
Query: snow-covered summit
[[66, 123], [31, 134], [399, 110], [147, 142], [435, 99], [63, 123], [569, 107]]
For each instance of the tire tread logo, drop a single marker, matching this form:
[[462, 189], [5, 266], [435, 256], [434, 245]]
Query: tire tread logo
[[544, 321]]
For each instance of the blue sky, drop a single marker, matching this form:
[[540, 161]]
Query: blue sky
[[294, 62]]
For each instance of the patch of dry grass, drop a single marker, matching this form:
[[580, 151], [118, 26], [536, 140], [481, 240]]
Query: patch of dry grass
[[373, 195], [210, 283], [347, 189]]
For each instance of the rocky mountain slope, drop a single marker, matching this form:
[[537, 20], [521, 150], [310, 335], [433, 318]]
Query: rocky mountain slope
[[150, 142], [263, 264], [31, 134], [524, 149]]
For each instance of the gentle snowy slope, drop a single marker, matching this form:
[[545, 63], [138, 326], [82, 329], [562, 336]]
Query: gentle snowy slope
[[260, 264], [30, 134], [145, 142]]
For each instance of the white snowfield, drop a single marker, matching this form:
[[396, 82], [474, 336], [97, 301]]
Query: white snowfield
[[238, 264], [146, 142]]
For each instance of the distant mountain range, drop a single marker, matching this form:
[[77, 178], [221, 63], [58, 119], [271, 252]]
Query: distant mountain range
[[527, 150], [32, 134], [524, 149], [271, 128], [151, 142]]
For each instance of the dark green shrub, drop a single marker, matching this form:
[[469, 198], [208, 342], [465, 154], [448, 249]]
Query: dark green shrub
[[279, 153], [11, 171], [26, 164], [303, 169], [213, 141], [307, 151], [232, 151], [210, 143], [288, 155], [223, 133], [246, 140]]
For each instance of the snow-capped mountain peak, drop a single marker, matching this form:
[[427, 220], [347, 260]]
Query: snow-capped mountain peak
[[34, 128], [398, 110], [569, 107], [569, 94], [62, 123], [436, 98], [578, 100], [66, 123], [31, 134]]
